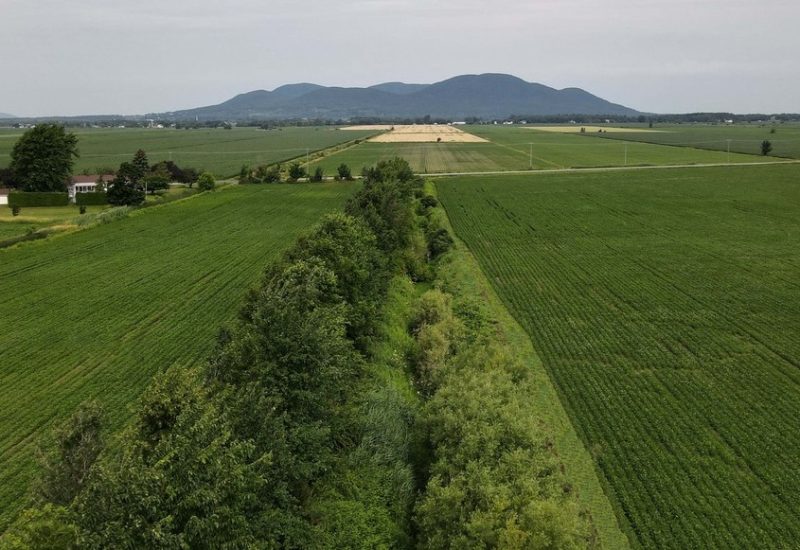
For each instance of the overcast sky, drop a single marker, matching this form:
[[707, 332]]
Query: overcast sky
[[130, 57]]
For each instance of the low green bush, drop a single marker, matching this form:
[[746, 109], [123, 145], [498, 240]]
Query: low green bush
[[91, 199], [27, 199]]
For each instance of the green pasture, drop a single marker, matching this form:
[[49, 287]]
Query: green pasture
[[214, 149], [664, 305], [743, 138], [95, 313], [520, 148]]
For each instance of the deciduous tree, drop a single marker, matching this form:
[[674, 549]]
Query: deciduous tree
[[43, 157], [206, 182]]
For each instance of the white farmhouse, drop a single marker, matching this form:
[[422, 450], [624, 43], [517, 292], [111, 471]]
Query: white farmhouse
[[86, 184]]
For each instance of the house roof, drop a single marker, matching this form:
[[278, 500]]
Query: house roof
[[4, 191], [92, 178]]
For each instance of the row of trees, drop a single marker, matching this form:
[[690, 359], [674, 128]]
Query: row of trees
[[137, 177], [275, 173], [232, 454]]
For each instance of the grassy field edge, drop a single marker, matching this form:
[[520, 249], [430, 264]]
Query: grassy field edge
[[466, 271]]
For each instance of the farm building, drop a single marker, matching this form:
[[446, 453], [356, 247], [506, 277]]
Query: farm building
[[4, 197], [86, 184]]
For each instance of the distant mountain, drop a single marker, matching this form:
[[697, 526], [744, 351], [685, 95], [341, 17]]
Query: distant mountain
[[400, 88], [6, 115], [487, 96]]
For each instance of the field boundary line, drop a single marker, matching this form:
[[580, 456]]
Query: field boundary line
[[610, 168]]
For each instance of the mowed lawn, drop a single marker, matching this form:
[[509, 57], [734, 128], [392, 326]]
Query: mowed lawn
[[220, 151], [520, 148], [95, 314], [744, 138], [665, 305]]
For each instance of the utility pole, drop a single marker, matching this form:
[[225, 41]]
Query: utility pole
[[530, 159], [626, 154], [729, 151]]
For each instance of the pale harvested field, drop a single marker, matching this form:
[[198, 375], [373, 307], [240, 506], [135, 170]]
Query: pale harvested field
[[426, 133], [576, 129], [368, 127]]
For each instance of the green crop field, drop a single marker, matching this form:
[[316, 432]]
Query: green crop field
[[519, 148], [555, 150], [218, 150], [664, 305], [94, 314], [744, 138]]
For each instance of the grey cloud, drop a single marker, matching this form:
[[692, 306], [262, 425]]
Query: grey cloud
[[90, 56]]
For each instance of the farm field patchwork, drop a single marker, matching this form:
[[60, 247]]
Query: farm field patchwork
[[744, 138], [94, 314], [426, 133], [519, 148], [218, 150], [664, 305]]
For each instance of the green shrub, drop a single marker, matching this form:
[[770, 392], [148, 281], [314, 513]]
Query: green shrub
[[439, 242], [296, 171], [91, 199], [206, 182], [343, 172], [30, 199], [428, 201], [15, 210], [496, 480]]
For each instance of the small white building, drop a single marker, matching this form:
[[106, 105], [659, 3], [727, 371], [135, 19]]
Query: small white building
[[4, 197], [86, 184]]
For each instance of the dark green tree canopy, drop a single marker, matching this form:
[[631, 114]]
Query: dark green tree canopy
[[43, 157]]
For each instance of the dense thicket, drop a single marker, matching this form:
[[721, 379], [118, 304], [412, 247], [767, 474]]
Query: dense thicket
[[494, 479]]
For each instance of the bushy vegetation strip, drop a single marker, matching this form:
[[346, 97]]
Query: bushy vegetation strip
[[495, 479]]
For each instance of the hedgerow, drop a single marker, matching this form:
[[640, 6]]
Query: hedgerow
[[91, 199], [24, 199], [299, 432], [494, 478]]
